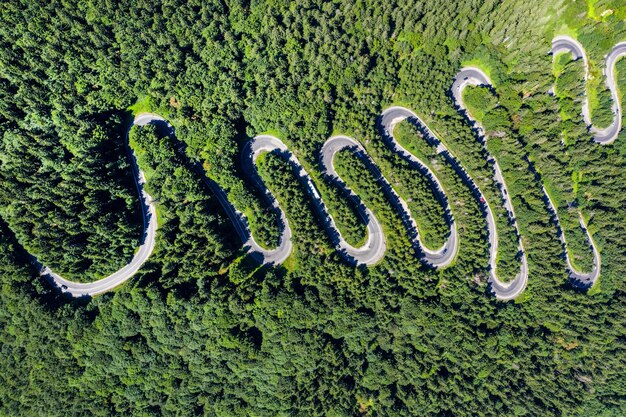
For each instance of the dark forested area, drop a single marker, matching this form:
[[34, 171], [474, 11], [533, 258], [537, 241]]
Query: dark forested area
[[203, 329]]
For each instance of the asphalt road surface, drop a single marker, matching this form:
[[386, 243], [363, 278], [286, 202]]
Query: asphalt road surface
[[374, 248], [566, 44], [370, 253], [580, 278], [148, 210], [443, 256], [502, 290]]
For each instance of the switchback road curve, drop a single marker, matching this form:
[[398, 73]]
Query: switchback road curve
[[250, 154], [370, 253], [436, 258], [566, 44], [509, 290], [442, 257], [580, 278], [374, 248], [149, 215]]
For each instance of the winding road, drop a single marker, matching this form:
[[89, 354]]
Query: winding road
[[582, 279], [251, 152], [566, 44], [370, 253], [502, 290], [373, 250], [438, 258], [149, 215]]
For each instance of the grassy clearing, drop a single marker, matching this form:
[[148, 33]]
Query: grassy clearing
[[143, 105]]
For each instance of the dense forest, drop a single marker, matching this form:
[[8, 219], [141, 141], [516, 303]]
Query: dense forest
[[203, 328]]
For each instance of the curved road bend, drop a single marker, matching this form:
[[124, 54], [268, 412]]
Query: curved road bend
[[566, 44], [577, 277], [250, 153], [148, 211], [370, 253], [509, 290], [442, 257]]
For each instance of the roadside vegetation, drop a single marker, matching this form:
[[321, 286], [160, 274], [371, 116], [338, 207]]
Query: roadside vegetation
[[204, 330], [193, 229], [344, 210], [569, 89], [427, 207], [486, 109]]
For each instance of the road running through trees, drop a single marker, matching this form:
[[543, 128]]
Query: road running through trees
[[471, 76], [373, 250], [606, 136], [370, 253], [149, 216], [566, 44]]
